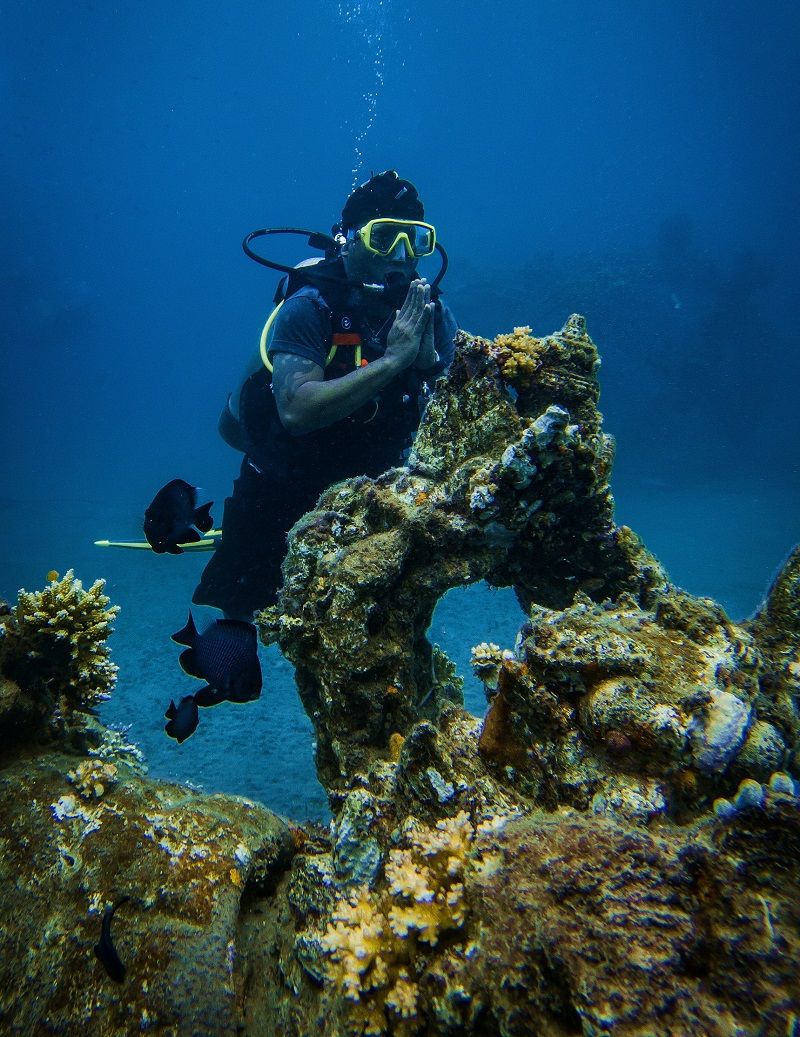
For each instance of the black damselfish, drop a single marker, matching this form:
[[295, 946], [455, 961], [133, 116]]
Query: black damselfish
[[225, 655], [171, 517], [181, 719], [105, 949]]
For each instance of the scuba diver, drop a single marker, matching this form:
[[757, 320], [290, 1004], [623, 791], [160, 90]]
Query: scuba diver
[[337, 388]]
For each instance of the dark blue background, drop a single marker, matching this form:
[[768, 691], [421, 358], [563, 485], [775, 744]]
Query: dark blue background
[[634, 161]]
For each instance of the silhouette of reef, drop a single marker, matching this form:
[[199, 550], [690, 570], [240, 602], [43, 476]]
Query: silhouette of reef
[[614, 848]]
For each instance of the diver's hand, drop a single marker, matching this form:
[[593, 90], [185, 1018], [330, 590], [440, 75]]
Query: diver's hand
[[427, 356], [414, 321]]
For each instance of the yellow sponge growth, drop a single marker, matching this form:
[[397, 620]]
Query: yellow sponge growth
[[519, 355], [373, 941]]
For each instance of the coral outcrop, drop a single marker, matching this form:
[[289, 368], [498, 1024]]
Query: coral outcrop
[[82, 827], [507, 482], [54, 660], [79, 834], [613, 848], [633, 730]]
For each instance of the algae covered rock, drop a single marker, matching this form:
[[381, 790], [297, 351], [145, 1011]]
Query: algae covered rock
[[82, 828], [612, 848], [78, 834], [503, 484], [631, 843]]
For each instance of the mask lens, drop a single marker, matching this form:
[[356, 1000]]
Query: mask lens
[[421, 240], [383, 236]]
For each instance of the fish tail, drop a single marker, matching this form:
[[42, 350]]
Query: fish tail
[[202, 517]]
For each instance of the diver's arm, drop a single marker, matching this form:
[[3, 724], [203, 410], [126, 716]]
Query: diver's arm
[[306, 402]]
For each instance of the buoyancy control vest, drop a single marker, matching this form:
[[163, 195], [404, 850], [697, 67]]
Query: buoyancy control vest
[[366, 442]]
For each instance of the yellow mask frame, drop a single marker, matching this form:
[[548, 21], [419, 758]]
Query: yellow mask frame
[[366, 234]]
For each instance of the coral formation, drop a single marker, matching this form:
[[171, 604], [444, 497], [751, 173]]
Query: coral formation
[[515, 492], [376, 941], [613, 848], [640, 710], [54, 657], [626, 705]]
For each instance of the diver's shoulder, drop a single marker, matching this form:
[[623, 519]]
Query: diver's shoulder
[[306, 294]]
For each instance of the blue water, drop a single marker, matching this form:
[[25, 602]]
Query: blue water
[[637, 163]]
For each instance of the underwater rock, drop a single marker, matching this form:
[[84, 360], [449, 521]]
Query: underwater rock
[[618, 680], [78, 834], [557, 923], [619, 722], [82, 828], [507, 482], [357, 855], [613, 848]]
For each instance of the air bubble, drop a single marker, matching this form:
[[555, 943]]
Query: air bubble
[[369, 21]]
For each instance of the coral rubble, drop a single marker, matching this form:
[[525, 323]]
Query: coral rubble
[[614, 848]]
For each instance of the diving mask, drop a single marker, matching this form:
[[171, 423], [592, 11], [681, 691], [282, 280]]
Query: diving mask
[[383, 235]]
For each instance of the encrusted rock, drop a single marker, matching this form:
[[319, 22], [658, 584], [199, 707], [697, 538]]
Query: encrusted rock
[[612, 848]]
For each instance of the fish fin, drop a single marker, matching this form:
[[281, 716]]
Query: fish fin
[[208, 696], [172, 709], [172, 549], [188, 661], [202, 517], [187, 636], [190, 536]]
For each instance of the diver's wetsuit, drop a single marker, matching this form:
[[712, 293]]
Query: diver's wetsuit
[[283, 475]]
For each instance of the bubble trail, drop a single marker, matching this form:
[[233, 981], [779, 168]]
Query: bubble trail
[[369, 21]]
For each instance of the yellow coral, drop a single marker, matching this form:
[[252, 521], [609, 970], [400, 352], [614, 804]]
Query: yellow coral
[[396, 742], [373, 939], [64, 629], [354, 942], [519, 356], [92, 777], [405, 881], [402, 998]]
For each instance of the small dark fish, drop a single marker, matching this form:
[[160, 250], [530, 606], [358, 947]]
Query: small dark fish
[[225, 656], [172, 516], [182, 719], [105, 949]]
